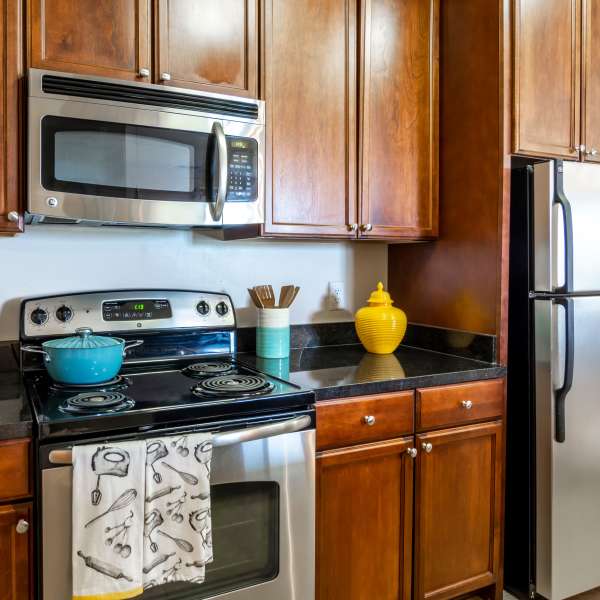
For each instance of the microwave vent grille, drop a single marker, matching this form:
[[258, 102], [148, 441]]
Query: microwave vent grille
[[83, 88]]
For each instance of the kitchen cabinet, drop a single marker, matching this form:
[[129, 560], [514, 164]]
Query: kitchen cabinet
[[364, 522], [111, 38], [591, 80], [458, 491], [207, 45], [399, 119], [15, 552], [11, 70]]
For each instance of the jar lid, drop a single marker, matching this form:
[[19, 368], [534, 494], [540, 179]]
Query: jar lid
[[83, 339], [380, 297]]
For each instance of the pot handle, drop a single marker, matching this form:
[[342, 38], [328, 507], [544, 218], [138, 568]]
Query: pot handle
[[130, 345], [37, 351]]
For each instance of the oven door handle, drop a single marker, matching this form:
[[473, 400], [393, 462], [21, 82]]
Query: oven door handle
[[229, 438], [217, 207]]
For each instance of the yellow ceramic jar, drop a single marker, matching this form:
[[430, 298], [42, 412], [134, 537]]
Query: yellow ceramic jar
[[380, 326]]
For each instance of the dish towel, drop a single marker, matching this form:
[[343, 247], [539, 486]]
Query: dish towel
[[108, 521], [177, 522]]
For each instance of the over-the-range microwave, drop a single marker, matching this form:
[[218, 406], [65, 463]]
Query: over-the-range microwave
[[109, 152]]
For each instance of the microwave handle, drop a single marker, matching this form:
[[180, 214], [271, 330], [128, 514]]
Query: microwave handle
[[219, 204]]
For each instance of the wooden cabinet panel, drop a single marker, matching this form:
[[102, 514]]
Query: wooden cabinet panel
[[309, 84], [591, 80], [547, 77], [465, 403], [109, 38], [364, 522], [364, 419], [399, 118], [15, 478], [15, 553], [208, 45], [458, 511]]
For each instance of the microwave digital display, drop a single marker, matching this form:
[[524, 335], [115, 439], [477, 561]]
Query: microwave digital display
[[136, 310]]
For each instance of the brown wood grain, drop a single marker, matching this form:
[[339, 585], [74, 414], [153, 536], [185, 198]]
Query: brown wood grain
[[439, 407], [458, 282], [11, 71], [399, 118], [458, 527], [309, 84], [110, 38], [15, 465], [547, 84], [591, 80], [16, 568], [364, 522], [341, 422], [207, 45]]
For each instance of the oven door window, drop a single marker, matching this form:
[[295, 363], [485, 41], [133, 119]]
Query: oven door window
[[99, 158], [245, 533]]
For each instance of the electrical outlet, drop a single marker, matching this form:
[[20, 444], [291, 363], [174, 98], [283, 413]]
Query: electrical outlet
[[337, 295]]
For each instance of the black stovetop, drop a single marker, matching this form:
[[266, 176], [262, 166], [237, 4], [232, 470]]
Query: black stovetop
[[156, 395]]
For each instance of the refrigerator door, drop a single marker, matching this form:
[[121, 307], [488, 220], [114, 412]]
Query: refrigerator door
[[567, 351], [566, 226]]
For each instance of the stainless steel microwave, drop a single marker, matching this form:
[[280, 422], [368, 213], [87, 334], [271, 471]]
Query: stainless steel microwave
[[103, 151]]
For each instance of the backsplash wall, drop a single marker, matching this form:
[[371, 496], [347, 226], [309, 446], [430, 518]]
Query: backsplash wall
[[57, 259]]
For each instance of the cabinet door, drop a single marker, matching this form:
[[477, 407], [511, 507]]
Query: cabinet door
[[458, 511], [310, 88], [11, 69], [110, 38], [15, 552], [547, 77], [208, 45], [364, 522], [591, 80], [399, 119]]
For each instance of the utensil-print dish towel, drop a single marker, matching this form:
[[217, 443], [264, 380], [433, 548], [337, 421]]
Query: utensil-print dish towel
[[108, 521], [177, 522]]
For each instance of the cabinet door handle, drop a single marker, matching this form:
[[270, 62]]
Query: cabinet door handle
[[427, 446], [13, 216], [366, 227], [144, 72], [369, 420], [352, 226], [165, 77], [22, 526], [467, 404], [412, 452]]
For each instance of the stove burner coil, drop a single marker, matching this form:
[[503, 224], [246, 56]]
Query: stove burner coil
[[116, 383], [97, 402], [233, 386], [208, 368]]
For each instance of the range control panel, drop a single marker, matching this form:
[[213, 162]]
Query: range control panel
[[242, 181], [125, 311]]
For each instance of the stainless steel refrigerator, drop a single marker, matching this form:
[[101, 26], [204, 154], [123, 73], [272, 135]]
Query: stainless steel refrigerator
[[553, 465]]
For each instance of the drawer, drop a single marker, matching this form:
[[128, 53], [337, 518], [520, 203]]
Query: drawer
[[459, 404], [364, 419], [14, 469]]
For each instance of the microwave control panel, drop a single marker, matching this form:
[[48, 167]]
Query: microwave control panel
[[242, 181]]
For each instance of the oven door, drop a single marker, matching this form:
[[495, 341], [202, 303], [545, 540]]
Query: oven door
[[263, 515], [122, 164]]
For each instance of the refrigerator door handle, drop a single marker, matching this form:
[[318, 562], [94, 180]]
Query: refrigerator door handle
[[561, 199], [560, 395]]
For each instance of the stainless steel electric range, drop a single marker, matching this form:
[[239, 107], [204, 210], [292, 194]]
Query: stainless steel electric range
[[184, 377]]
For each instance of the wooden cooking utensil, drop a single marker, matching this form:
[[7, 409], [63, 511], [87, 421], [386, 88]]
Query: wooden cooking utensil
[[296, 290], [255, 298], [284, 295], [266, 294]]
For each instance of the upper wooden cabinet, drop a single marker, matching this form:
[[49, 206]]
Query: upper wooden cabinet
[[399, 118], [109, 38], [11, 70], [309, 84], [16, 548], [208, 45], [591, 80]]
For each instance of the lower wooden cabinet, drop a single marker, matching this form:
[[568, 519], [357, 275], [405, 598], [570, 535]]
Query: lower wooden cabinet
[[15, 552], [458, 491], [364, 522]]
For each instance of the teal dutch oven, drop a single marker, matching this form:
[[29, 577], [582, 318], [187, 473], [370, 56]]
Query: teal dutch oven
[[84, 359]]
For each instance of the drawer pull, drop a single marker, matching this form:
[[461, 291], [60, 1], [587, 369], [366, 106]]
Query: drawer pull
[[428, 447], [22, 526], [467, 404], [412, 452], [369, 420]]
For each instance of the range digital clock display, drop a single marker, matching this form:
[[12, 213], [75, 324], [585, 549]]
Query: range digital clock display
[[136, 310]]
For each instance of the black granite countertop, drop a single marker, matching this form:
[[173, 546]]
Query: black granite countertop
[[348, 370], [15, 416]]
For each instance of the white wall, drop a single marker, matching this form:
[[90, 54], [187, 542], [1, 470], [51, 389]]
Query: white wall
[[56, 259]]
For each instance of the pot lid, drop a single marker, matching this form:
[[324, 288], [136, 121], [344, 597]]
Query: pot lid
[[380, 297], [83, 339]]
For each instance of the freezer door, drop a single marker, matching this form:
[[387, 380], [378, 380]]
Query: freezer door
[[566, 227], [568, 471]]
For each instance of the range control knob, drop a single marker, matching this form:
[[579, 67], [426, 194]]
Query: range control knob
[[222, 309], [203, 307], [64, 313], [39, 316]]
